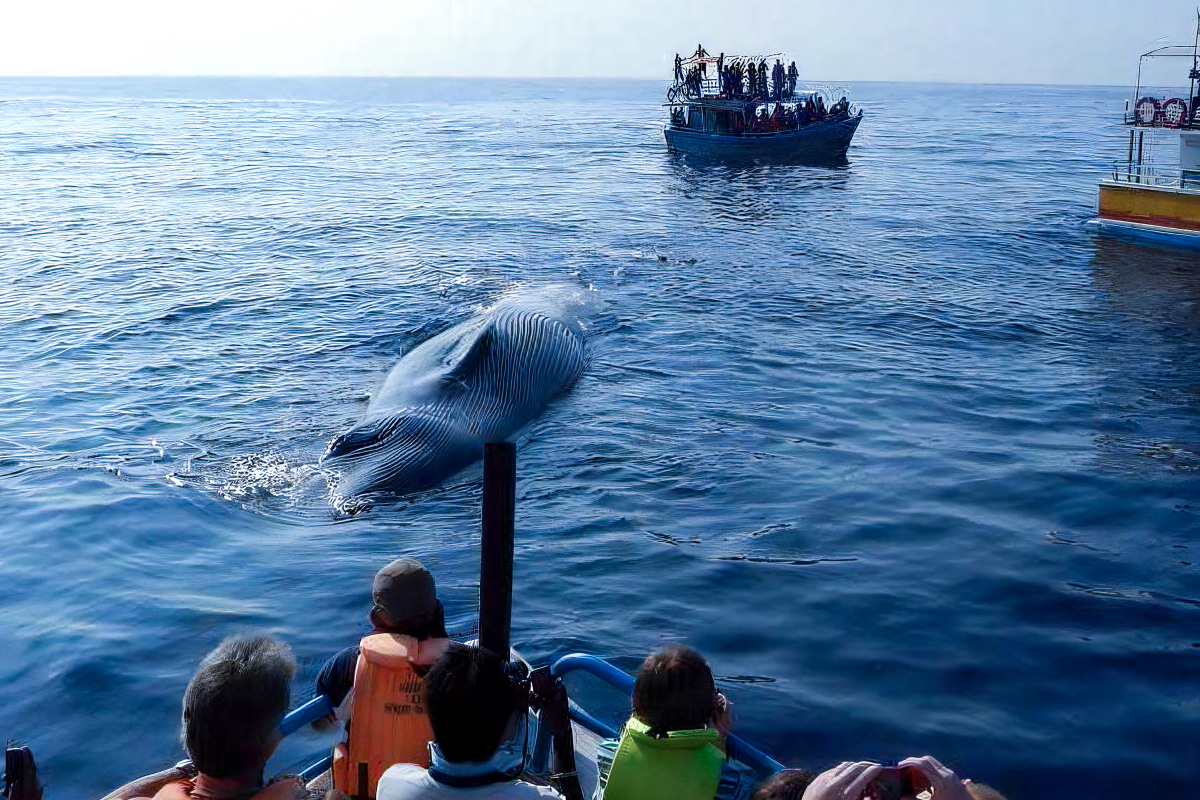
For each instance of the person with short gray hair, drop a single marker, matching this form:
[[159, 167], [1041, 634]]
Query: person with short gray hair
[[231, 713]]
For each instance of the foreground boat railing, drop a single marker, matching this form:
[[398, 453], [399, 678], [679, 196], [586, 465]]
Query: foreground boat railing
[[1146, 175], [297, 718], [599, 668]]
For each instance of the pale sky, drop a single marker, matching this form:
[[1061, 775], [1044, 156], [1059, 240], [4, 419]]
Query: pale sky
[[970, 41]]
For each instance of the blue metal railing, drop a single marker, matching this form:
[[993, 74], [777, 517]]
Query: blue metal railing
[[736, 748], [296, 719]]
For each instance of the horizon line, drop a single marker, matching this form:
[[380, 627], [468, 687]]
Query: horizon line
[[317, 76]]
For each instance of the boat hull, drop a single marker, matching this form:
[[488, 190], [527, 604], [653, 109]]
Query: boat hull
[[827, 140], [1153, 212]]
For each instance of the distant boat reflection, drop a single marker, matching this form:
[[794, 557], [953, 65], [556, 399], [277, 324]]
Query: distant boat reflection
[[1149, 363], [759, 191]]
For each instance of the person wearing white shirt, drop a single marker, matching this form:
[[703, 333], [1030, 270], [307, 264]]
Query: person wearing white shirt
[[476, 702]]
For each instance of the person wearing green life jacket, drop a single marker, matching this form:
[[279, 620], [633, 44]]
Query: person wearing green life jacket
[[673, 747]]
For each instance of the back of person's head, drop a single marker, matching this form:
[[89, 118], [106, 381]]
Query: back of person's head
[[470, 695], [674, 690], [405, 601], [234, 703], [788, 784]]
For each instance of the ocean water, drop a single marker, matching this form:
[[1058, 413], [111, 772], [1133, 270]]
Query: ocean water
[[907, 450]]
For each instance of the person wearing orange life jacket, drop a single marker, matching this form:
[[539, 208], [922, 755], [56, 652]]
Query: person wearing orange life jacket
[[376, 688], [673, 746], [231, 714]]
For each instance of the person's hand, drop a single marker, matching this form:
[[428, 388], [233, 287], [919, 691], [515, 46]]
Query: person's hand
[[941, 779], [724, 720], [846, 781]]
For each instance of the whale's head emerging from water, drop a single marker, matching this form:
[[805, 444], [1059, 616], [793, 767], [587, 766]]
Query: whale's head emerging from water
[[480, 381]]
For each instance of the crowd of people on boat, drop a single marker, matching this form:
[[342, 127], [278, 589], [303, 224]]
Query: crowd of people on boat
[[757, 87], [781, 118], [791, 117], [426, 717], [740, 78]]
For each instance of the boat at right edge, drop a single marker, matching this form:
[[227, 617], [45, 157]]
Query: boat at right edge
[[1145, 197]]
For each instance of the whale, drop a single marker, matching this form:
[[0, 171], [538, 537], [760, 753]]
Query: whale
[[479, 381]]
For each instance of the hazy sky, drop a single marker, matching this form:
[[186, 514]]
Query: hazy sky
[[1003, 41]]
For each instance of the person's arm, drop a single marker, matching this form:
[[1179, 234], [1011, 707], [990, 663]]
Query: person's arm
[[846, 781], [335, 681]]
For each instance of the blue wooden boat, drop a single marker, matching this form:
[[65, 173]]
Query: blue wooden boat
[[826, 140], [725, 108]]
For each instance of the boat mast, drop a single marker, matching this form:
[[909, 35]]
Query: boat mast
[[1194, 75]]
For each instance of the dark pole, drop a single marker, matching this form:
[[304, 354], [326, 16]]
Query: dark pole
[[1141, 136], [496, 549]]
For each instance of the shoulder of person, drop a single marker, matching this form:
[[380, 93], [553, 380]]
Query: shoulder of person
[[521, 790], [337, 675], [405, 781], [289, 788]]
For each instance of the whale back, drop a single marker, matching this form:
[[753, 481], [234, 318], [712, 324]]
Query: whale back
[[482, 380]]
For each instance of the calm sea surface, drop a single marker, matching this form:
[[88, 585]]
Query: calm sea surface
[[907, 450]]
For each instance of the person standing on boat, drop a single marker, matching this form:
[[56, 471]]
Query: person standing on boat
[[376, 687], [793, 75], [673, 747], [752, 71], [678, 68], [478, 704], [777, 80], [762, 79], [231, 713]]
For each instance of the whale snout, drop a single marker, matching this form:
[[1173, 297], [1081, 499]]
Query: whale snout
[[363, 436]]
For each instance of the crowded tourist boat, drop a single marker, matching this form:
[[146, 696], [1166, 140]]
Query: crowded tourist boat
[[1149, 194], [756, 107], [419, 715]]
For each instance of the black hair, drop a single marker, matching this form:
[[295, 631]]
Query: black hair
[[470, 695], [674, 690], [233, 705], [787, 784]]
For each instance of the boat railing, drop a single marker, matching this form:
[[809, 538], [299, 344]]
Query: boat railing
[[680, 93], [297, 718], [1149, 175], [737, 749]]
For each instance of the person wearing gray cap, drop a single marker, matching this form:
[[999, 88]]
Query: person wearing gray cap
[[376, 688]]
